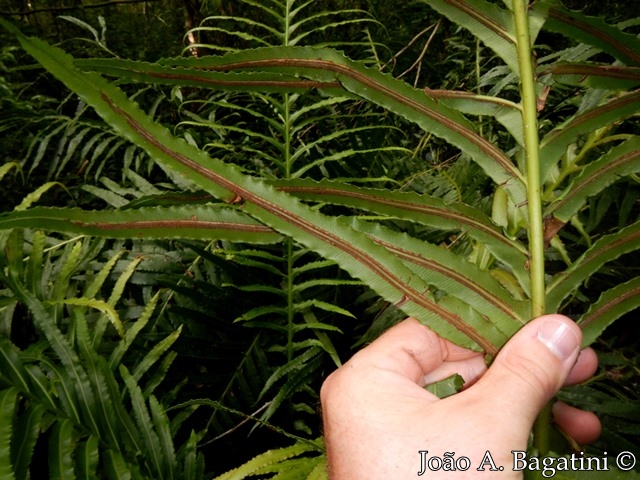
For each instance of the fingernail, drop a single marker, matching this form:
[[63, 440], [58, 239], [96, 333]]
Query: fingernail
[[559, 338]]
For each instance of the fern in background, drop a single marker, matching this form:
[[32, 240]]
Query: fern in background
[[276, 353], [85, 383], [287, 136]]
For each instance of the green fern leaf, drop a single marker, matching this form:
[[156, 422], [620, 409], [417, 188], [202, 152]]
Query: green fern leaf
[[71, 257], [87, 458], [592, 31], [96, 284], [39, 387], [153, 451], [28, 428], [7, 167], [35, 276], [192, 463], [116, 293], [97, 369], [328, 307], [8, 402], [620, 161], [257, 312], [299, 374], [34, 196], [74, 380], [555, 144], [129, 433], [611, 305], [155, 353], [115, 466], [271, 457], [99, 305], [57, 124], [321, 282], [161, 424], [159, 374], [179, 222], [291, 469], [11, 367], [606, 249], [320, 471], [132, 332], [62, 444], [286, 369]]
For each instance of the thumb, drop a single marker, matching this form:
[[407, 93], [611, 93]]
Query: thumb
[[531, 368]]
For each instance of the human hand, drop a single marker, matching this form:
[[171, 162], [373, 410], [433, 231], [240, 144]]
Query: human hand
[[378, 417]]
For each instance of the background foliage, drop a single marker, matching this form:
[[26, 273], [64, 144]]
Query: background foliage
[[226, 343]]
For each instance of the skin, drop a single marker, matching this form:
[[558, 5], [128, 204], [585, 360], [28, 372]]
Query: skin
[[377, 415]]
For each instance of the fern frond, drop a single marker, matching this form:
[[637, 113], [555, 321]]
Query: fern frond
[[7, 167], [161, 424], [92, 288], [106, 309], [282, 23], [145, 427], [284, 370], [319, 304], [28, 427], [66, 395], [132, 332], [192, 463], [279, 461], [115, 295], [8, 402], [87, 457], [299, 374], [96, 366], [62, 444], [155, 353]]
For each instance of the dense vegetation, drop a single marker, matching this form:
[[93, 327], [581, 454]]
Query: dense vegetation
[[176, 350]]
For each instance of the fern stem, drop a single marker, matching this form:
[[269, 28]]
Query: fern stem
[[289, 242], [534, 193], [290, 300], [287, 23], [532, 158]]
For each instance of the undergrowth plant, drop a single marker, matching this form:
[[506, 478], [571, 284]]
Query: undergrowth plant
[[84, 391], [493, 271]]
